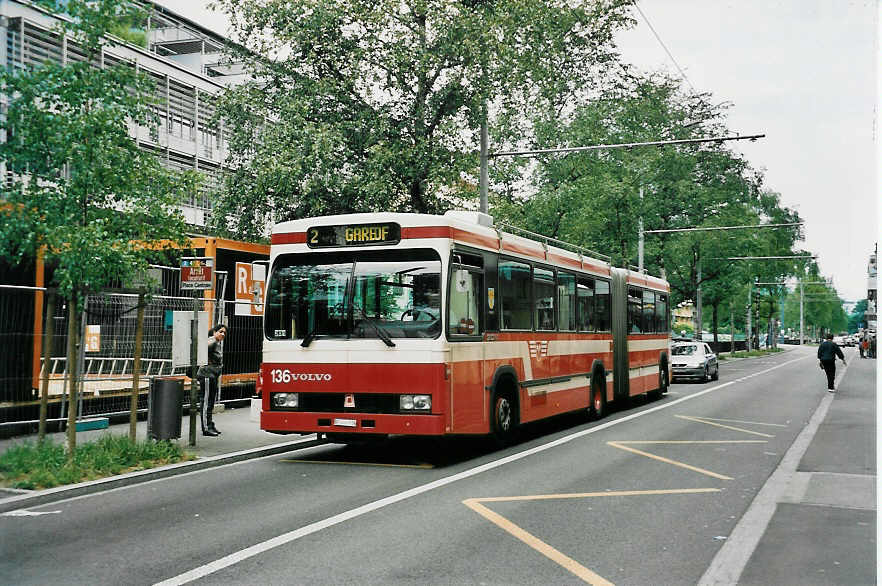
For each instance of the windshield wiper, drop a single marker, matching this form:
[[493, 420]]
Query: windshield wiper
[[309, 337], [381, 333]]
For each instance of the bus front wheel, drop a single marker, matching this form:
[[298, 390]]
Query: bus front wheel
[[503, 420]]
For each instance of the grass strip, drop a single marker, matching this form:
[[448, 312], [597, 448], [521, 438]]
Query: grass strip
[[34, 465]]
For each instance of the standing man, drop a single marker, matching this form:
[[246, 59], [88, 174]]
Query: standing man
[[827, 353], [208, 376]]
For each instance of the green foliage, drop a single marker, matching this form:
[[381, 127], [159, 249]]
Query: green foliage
[[857, 319], [370, 106], [750, 354], [594, 198], [822, 308], [30, 465], [84, 193]]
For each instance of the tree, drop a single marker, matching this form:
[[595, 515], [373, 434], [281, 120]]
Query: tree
[[597, 198], [83, 194], [857, 320], [360, 106]]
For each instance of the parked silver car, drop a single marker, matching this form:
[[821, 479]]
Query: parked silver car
[[693, 360]]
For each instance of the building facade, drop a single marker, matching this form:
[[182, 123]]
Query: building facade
[[184, 60], [870, 315]]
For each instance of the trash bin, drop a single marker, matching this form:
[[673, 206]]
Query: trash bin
[[165, 407]]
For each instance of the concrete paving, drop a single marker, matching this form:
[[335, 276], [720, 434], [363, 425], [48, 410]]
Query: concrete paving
[[824, 528]]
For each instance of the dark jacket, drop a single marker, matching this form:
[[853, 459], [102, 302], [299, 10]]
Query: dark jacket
[[215, 359], [829, 351]]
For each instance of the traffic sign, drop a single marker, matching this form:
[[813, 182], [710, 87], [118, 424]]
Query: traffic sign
[[196, 272]]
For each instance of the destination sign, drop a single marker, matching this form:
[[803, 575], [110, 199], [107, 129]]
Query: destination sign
[[353, 235]]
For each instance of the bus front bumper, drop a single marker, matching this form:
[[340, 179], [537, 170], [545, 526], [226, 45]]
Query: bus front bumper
[[355, 423]]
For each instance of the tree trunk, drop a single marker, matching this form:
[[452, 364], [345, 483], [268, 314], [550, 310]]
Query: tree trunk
[[48, 331], [136, 369], [73, 336], [715, 314]]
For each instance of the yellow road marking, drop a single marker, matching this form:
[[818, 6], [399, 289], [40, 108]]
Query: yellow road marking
[[669, 461], [706, 422], [692, 442], [581, 495], [551, 553], [421, 466], [738, 421]]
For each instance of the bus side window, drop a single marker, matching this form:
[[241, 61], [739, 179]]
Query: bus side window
[[543, 301], [515, 295], [661, 313], [566, 296], [585, 300], [602, 307], [465, 301], [649, 325], [635, 302]]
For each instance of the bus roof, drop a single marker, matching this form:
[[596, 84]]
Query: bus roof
[[471, 228]]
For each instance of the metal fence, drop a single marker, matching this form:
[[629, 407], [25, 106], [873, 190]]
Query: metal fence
[[106, 343]]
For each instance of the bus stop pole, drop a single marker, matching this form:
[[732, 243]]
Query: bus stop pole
[[194, 340]]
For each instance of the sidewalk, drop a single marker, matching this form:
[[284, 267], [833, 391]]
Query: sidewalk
[[240, 439], [824, 528]]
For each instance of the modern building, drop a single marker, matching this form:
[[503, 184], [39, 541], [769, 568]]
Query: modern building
[[870, 315], [183, 58], [186, 62]]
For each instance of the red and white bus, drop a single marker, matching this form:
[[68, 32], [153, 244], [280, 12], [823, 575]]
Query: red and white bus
[[384, 324]]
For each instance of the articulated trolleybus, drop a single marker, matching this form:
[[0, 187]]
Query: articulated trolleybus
[[387, 324]]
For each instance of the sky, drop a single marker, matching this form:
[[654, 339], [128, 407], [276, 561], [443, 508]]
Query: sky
[[802, 72]]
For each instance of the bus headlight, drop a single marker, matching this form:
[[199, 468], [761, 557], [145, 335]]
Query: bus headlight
[[285, 400], [415, 402]]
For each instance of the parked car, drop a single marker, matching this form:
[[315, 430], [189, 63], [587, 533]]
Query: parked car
[[839, 341], [693, 360]]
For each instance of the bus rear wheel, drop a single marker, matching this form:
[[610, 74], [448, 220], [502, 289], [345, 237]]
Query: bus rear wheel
[[598, 400]]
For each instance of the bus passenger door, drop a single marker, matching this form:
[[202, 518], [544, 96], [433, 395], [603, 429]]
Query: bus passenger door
[[465, 328]]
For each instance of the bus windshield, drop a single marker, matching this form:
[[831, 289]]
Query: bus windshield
[[355, 294]]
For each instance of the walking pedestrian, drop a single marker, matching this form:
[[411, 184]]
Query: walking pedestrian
[[865, 346], [208, 376], [827, 353]]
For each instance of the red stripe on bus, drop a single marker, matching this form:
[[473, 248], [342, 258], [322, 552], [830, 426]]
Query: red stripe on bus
[[289, 238]]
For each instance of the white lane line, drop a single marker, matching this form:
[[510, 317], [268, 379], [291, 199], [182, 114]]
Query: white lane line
[[732, 558], [259, 548], [26, 513]]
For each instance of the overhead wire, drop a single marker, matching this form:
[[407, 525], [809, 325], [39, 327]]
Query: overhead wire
[[662, 43]]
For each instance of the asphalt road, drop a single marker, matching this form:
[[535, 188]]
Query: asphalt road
[[647, 495]]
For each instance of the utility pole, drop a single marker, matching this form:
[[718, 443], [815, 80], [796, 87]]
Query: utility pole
[[748, 336], [484, 145], [801, 313], [641, 236], [699, 326]]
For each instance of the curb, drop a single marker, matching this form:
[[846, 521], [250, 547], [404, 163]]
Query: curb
[[50, 495]]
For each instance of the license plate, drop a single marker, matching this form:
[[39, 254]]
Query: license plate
[[345, 422]]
